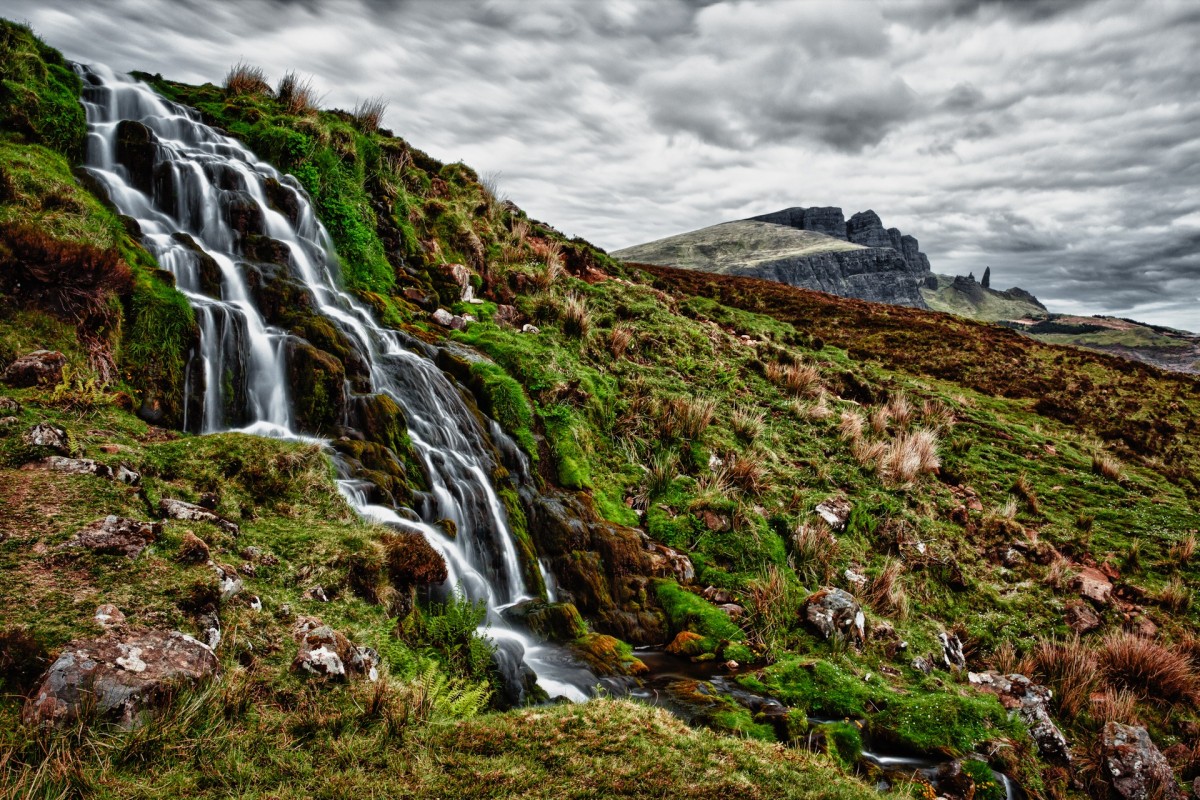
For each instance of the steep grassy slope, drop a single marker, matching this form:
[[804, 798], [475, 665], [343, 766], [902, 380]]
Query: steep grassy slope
[[983, 471]]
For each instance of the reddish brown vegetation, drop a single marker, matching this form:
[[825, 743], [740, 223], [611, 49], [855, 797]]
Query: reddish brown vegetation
[[1138, 409]]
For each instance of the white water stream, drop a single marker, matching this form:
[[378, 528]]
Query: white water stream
[[200, 181]]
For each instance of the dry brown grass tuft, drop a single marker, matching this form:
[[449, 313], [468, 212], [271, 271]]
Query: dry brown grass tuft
[[1146, 667], [1024, 488], [576, 319], [909, 455], [886, 591], [880, 417], [1175, 597], [244, 79], [296, 94], [814, 550], [900, 409], [747, 423], [1006, 660], [851, 426], [688, 417], [938, 415], [1070, 669], [748, 472], [619, 339], [818, 411], [1108, 467], [1182, 551], [799, 379], [368, 114], [868, 453], [1115, 705]]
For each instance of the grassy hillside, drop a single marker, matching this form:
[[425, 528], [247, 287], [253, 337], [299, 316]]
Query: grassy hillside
[[983, 472], [740, 244], [985, 305]]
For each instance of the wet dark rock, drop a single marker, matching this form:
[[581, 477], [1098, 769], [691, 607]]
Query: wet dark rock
[[953, 781], [328, 654], [1133, 766], [208, 269], [242, 213], [116, 535], [1031, 703], [124, 676], [266, 250], [282, 199], [558, 622], [188, 512], [834, 612], [39, 368], [136, 151]]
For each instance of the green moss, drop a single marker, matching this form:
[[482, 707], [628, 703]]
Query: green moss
[[821, 688], [686, 611], [503, 399], [843, 742], [159, 331], [943, 722], [39, 93], [986, 785]]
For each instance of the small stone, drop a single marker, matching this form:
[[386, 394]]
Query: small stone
[[230, 584], [72, 466], [855, 579], [733, 610], [109, 616], [731, 665], [46, 435], [1093, 585], [328, 654], [188, 512], [192, 549], [922, 664], [1081, 617], [1134, 766], [835, 511], [255, 603], [835, 612], [9, 407], [444, 318], [316, 593], [952, 650], [527, 328]]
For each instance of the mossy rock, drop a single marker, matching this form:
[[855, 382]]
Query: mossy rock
[[608, 655], [380, 420], [558, 622], [317, 381]]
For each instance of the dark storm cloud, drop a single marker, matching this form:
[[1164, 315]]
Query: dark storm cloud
[[1056, 142]]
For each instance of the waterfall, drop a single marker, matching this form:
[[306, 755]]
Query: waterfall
[[194, 205]]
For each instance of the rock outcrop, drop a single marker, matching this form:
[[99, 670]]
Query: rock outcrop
[[1030, 702], [39, 368], [122, 676], [835, 612], [1133, 766], [326, 653], [814, 248]]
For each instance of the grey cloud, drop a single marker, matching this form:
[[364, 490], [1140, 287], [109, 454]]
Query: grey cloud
[[1057, 142]]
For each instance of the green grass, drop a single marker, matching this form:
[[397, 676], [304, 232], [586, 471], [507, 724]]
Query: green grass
[[39, 93]]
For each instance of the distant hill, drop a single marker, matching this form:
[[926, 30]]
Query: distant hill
[[968, 298], [1163, 347]]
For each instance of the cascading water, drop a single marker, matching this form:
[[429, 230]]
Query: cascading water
[[184, 202]]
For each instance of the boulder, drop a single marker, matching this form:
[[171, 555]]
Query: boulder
[[559, 622], [328, 654], [192, 549], [116, 535], [242, 213], [1030, 702], [1133, 766], [123, 675], [835, 511], [86, 466], [834, 612], [46, 435], [178, 509]]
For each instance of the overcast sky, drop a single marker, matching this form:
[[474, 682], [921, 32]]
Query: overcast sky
[[1057, 142]]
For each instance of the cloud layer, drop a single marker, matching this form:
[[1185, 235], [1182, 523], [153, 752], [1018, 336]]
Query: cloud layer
[[1057, 141]]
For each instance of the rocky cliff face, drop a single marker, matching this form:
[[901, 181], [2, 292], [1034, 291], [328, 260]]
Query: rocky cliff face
[[813, 248]]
